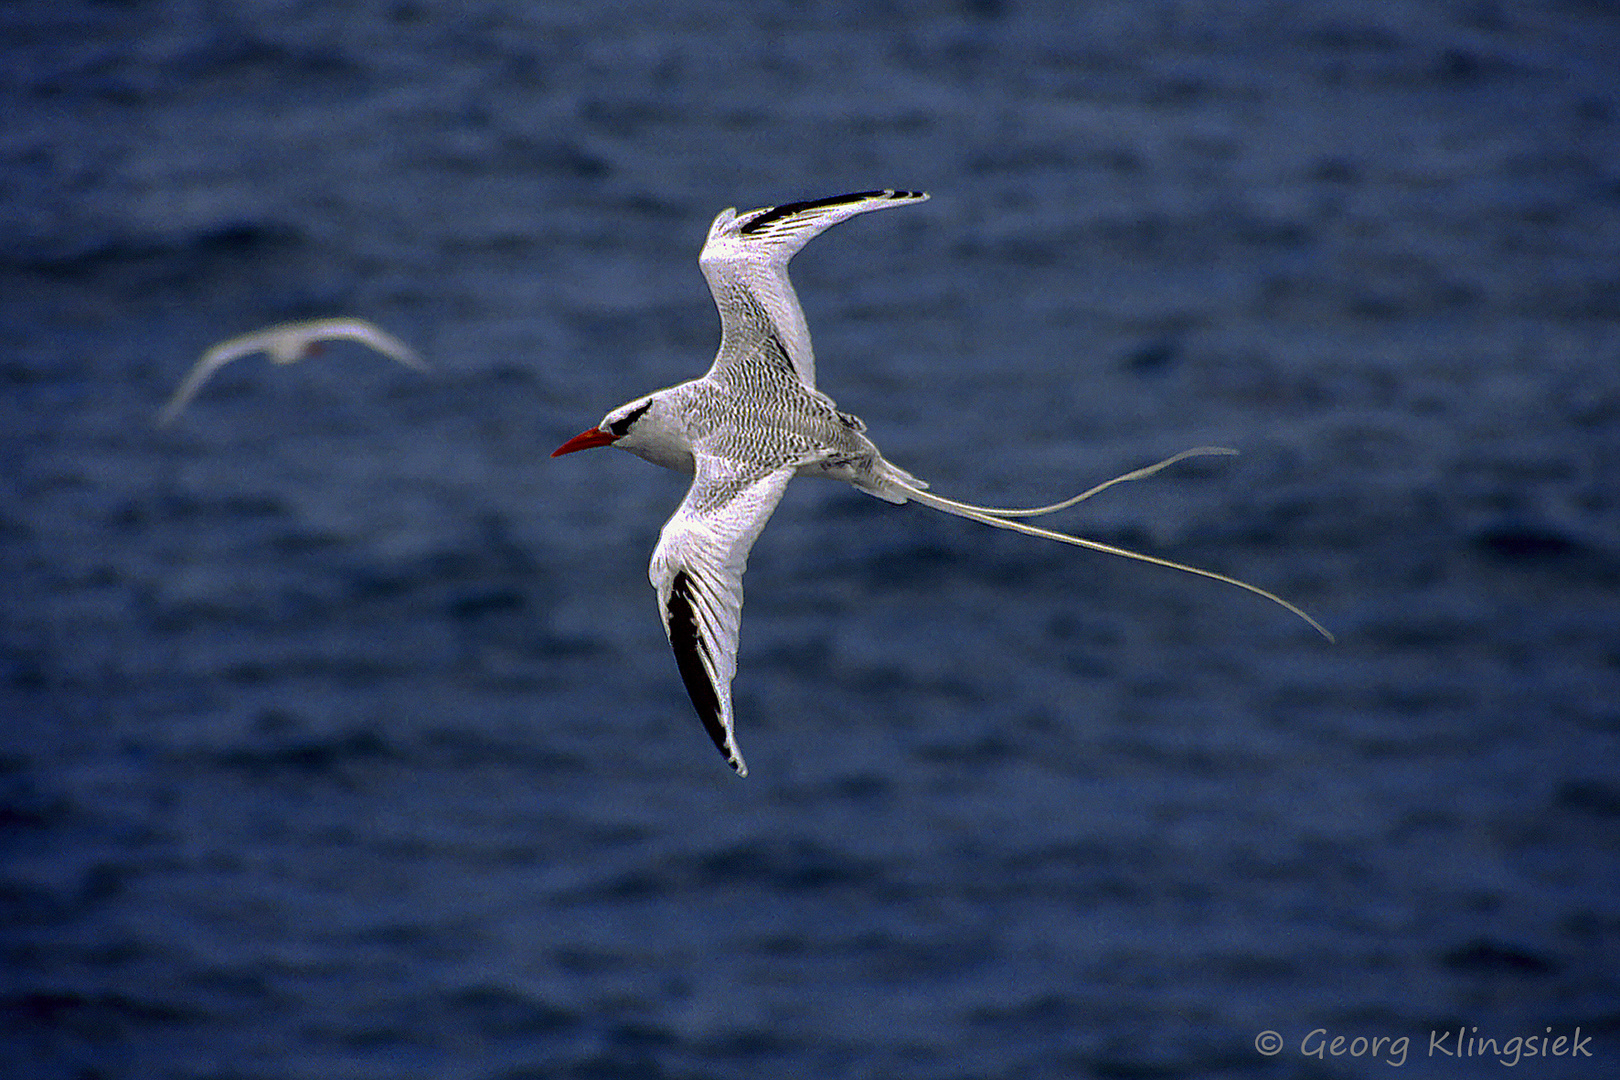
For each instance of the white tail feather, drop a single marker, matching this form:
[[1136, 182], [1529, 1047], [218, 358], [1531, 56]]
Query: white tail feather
[[1134, 474], [1001, 519]]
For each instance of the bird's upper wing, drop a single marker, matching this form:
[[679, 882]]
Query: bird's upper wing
[[212, 360], [697, 569], [367, 334], [745, 261]]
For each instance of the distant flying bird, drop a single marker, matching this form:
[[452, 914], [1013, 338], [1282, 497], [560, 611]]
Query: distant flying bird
[[755, 421], [287, 344]]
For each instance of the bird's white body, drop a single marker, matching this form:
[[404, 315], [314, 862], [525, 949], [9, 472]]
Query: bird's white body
[[750, 424]]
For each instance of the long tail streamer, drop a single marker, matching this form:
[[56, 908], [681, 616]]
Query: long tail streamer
[[1000, 518]]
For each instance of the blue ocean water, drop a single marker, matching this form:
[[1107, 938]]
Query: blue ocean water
[[340, 737]]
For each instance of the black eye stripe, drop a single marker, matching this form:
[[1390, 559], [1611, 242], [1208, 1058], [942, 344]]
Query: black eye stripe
[[620, 427]]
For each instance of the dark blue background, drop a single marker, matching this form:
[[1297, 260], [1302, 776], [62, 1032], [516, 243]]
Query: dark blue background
[[340, 736]]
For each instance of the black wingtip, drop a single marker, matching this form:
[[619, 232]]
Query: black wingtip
[[777, 213], [690, 651]]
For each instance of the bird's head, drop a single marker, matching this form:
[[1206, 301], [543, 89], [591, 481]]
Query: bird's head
[[616, 425], [649, 427]]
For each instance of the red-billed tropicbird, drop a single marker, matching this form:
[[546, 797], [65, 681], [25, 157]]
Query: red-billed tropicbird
[[287, 344], [753, 422]]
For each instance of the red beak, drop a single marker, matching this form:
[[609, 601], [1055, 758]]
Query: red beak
[[584, 441]]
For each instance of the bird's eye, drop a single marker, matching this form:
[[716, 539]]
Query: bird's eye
[[621, 427]]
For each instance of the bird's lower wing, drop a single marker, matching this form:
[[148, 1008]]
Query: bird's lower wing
[[697, 569], [212, 360]]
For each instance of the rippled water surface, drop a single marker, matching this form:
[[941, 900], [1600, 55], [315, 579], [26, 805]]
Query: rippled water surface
[[340, 735]]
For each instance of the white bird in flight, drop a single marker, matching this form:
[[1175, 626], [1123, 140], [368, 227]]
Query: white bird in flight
[[753, 422], [287, 344]]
